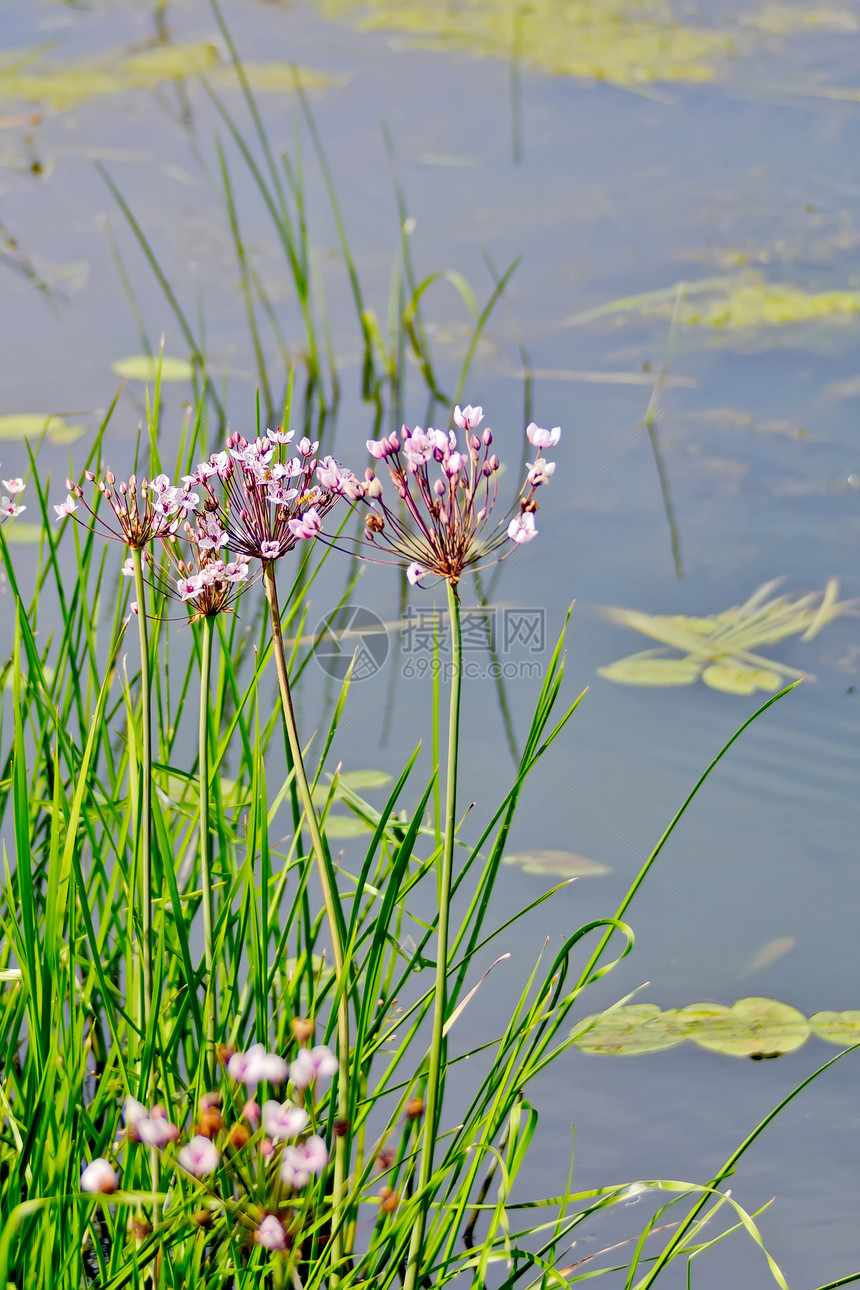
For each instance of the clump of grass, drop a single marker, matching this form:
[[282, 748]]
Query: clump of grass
[[126, 1127]]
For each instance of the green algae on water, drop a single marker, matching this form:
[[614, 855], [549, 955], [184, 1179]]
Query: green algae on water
[[63, 85], [748, 303], [626, 42]]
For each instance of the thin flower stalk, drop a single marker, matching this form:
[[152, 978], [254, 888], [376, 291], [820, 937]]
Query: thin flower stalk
[[209, 1001], [332, 914], [144, 859], [436, 1064]]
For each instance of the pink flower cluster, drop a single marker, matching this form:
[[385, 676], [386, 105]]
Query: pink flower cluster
[[142, 512], [260, 501], [448, 485], [256, 500]]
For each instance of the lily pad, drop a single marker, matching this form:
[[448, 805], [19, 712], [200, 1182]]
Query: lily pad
[[628, 1031], [346, 826], [560, 864], [646, 669], [321, 968], [21, 533], [627, 42], [841, 1028], [751, 1028], [737, 678], [722, 647], [31, 425], [356, 781], [142, 367]]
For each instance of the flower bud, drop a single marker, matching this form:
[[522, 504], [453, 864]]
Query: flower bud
[[414, 1108], [238, 1137], [388, 1200], [303, 1030]]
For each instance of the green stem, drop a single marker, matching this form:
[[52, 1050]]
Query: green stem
[[326, 878], [145, 824], [436, 1065], [206, 847]]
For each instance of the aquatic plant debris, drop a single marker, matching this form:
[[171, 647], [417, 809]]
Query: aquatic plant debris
[[719, 649], [786, 19], [144, 367], [748, 302], [626, 42], [555, 864], [62, 85], [755, 1027]]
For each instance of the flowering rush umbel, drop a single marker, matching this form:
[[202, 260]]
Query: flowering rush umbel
[[259, 501], [448, 485], [142, 511]]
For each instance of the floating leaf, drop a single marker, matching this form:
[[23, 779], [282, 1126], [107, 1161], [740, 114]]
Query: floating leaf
[[736, 678], [628, 1031], [836, 1027], [346, 826], [646, 669], [561, 864], [720, 647], [624, 41], [751, 1028], [142, 367], [352, 781], [31, 425], [321, 969], [23, 534]]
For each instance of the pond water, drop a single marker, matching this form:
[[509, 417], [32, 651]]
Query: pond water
[[606, 191]]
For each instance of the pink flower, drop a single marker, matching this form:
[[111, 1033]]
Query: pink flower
[[68, 507], [270, 550], [540, 472], [299, 1164], [256, 1066], [8, 509], [152, 1128], [270, 1234], [308, 526], [99, 1176], [311, 1064], [189, 588], [279, 435], [415, 573], [284, 1120], [469, 418], [13, 486], [542, 438], [522, 528], [199, 1157]]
